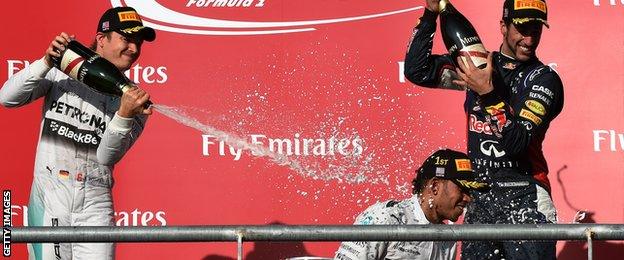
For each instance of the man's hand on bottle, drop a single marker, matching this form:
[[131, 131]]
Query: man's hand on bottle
[[57, 46], [478, 80], [433, 5], [132, 102]]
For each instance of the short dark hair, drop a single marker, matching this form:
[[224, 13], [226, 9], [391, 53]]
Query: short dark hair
[[418, 184], [93, 45]]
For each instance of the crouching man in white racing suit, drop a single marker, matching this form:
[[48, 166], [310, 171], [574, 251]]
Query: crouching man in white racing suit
[[441, 192], [83, 135]]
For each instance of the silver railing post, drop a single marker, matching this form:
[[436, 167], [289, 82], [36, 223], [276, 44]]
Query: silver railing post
[[590, 253], [239, 238]]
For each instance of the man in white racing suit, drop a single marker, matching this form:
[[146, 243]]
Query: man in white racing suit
[[83, 135], [441, 192]]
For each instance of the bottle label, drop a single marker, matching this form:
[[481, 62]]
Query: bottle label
[[477, 54], [71, 63], [465, 41]]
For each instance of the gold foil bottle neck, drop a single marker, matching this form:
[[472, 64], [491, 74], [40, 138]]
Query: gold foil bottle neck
[[126, 87], [442, 5]]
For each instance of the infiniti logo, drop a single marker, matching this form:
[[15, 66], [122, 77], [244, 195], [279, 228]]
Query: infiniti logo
[[162, 18], [488, 148]]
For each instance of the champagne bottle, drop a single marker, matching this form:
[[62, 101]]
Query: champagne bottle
[[460, 37], [86, 66]]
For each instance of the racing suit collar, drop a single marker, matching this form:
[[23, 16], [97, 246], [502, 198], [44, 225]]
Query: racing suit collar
[[418, 212]]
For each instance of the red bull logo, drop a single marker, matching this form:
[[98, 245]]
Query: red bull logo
[[498, 114]]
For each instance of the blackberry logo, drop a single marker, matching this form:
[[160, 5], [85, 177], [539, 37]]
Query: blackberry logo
[[54, 126]]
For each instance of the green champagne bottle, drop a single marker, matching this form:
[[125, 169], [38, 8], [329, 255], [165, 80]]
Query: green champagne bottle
[[86, 66]]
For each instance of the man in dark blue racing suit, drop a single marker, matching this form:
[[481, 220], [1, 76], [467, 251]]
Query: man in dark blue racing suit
[[509, 106]]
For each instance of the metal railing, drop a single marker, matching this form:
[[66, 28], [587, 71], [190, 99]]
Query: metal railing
[[587, 232]]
